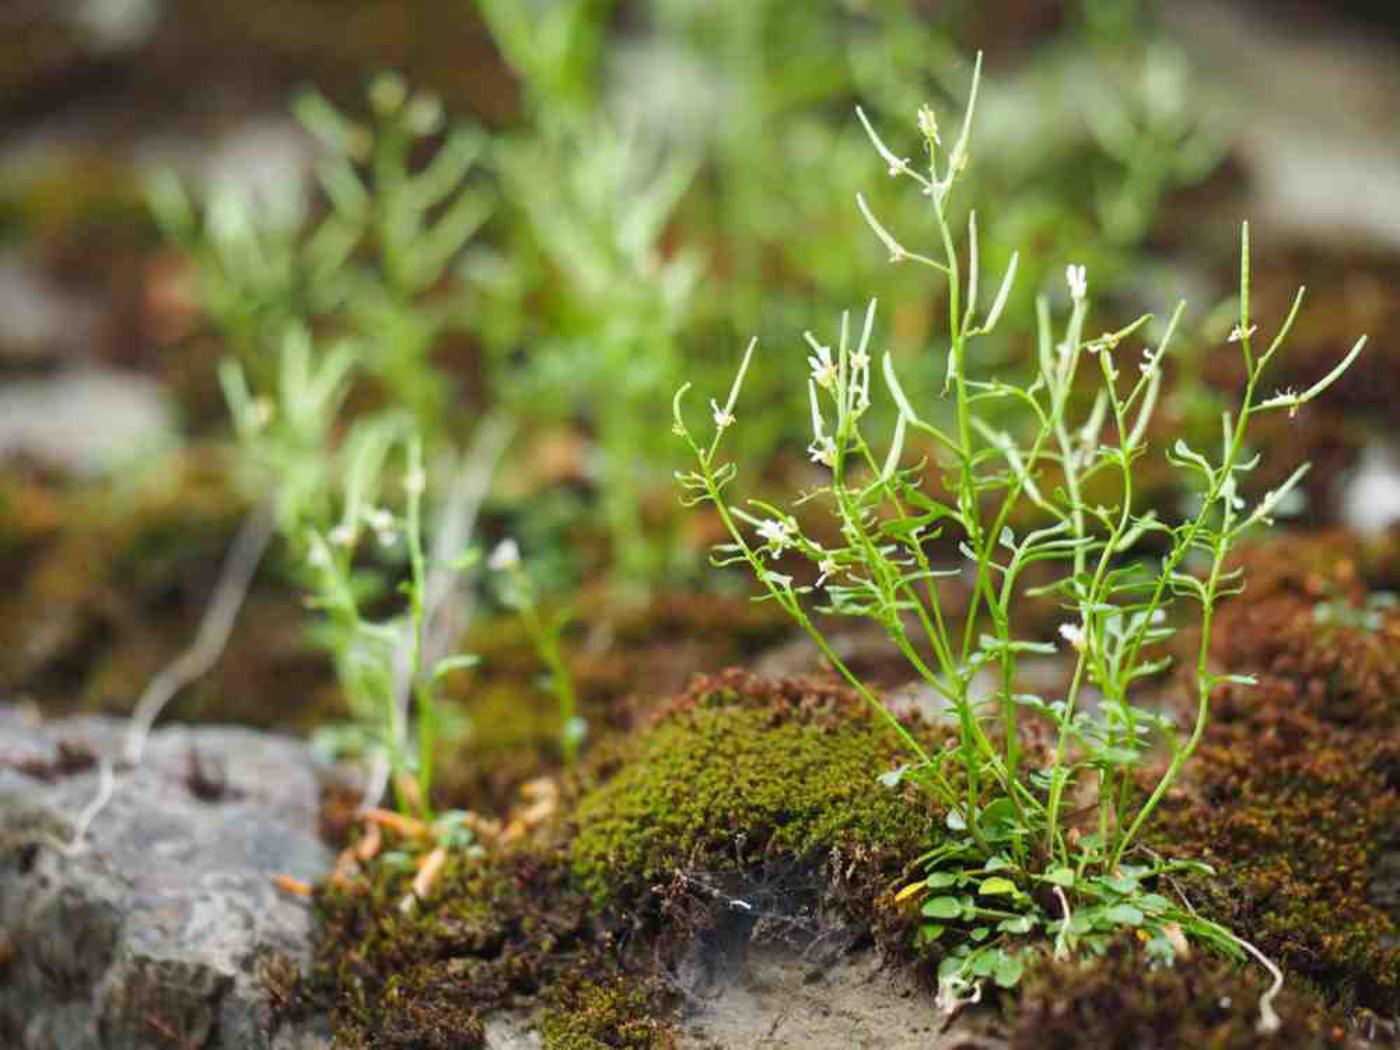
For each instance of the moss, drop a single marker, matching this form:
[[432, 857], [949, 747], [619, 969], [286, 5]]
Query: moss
[[1123, 1001], [511, 737], [1293, 793], [598, 1015], [740, 773], [500, 927], [1294, 814], [1304, 621]]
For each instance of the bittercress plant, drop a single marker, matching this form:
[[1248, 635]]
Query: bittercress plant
[[1020, 865]]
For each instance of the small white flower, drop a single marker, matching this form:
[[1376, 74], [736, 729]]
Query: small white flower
[[504, 557], [1074, 634], [1238, 334], [1078, 280], [860, 360], [261, 413], [343, 535], [723, 417], [380, 519], [828, 568], [928, 124], [1149, 362], [776, 534], [415, 482], [823, 451], [319, 557], [823, 368]]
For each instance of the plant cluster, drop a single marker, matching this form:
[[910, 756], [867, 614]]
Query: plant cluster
[[1037, 848], [308, 311], [379, 267]]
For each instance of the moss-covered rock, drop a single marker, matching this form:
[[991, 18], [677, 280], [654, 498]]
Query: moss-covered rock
[[740, 773]]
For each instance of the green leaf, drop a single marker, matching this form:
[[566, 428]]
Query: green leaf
[[943, 908], [996, 885], [1009, 970], [940, 880], [1020, 924], [1124, 915], [1000, 811], [1059, 877], [930, 932], [987, 961]]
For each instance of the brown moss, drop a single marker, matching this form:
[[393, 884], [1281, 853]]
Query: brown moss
[[1293, 793], [500, 927], [1124, 1001], [1304, 620], [1294, 814], [107, 597]]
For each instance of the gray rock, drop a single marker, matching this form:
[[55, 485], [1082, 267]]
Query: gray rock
[[160, 929]]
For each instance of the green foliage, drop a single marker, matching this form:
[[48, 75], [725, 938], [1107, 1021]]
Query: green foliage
[[517, 591], [382, 664], [379, 267], [1116, 591], [685, 181]]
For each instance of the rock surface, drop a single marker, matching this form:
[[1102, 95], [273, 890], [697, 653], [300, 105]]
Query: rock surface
[[164, 928]]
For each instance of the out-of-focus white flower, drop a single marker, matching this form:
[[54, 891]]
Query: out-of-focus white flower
[[384, 526], [261, 413], [776, 534], [1074, 634], [319, 557], [1238, 334], [723, 417], [823, 451], [928, 124], [343, 535], [504, 557], [415, 482], [823, 368], [1078, 280]]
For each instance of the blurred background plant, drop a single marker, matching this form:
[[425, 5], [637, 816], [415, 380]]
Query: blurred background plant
[[378, 268]]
